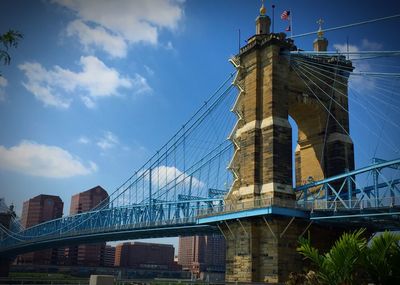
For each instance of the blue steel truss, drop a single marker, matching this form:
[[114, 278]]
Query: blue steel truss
[[335, 198], [131, 222], [356, 196]]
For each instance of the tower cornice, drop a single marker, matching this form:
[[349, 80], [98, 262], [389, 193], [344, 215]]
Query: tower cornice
[[261, 41]]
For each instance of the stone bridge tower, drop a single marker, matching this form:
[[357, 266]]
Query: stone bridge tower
[[271, 90]]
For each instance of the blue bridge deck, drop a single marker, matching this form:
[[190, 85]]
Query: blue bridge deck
[[375, 206]]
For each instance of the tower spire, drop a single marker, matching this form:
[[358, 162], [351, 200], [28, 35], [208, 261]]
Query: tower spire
[[263, 22], [262, 9], [320, 43], [320, 31]]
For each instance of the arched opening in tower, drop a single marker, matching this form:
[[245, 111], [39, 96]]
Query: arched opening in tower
[[308, 121]]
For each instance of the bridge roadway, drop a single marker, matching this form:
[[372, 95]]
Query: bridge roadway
[[375, 206]]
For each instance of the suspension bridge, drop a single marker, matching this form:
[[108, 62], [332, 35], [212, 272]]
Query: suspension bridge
[[197, 182]]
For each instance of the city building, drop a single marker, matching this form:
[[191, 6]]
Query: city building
[[37, 210], [109, 256], [202, 254], [142, 255], [87, 254]]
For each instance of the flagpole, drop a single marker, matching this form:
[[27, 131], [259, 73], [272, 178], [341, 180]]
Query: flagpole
[[273, 18]]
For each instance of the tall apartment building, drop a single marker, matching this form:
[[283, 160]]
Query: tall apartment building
[[87, 254], [37, 210], [141, 255], [202, 253], [109, 256]]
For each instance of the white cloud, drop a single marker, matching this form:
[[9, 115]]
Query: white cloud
[[368, 45], [131, 21], [95, 78], [56, 87], [109, 140], [140, 85], [163, 175], [90, 37], [149, 70], [357, 81], [88, 102], [42, 160], [41, 85], [169, 46], [3, 84], [343, 48], [84, 140]]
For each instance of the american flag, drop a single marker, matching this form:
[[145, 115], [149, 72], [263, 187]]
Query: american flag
[[285, 15]]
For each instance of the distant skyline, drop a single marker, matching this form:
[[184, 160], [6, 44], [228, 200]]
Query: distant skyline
[[96, 87]]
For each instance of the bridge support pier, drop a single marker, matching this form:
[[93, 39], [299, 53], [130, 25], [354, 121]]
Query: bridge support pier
[[263, 249], [259, 254]]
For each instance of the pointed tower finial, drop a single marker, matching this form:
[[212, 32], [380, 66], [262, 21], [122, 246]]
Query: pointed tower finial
[[262, 9], [263, 22], [320, 43], [320, 31]]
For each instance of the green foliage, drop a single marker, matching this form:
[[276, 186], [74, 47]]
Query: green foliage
[[302, 279], [350, 256], [8, 40], [383, 259], [338, 265]]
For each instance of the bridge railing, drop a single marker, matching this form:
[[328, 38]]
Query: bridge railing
[[113, 219], [372, 186], [356, 204], [255, 203]]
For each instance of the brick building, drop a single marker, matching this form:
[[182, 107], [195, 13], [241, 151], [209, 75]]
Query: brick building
[[142, 255], [202, 254], [37, 210], [109, 256], [87, 254]]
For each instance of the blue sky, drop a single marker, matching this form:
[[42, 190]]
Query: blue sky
[[95, 87]]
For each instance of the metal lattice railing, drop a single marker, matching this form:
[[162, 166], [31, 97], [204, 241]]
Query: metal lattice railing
[[357, 204], [255, 203], [374, 186]]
